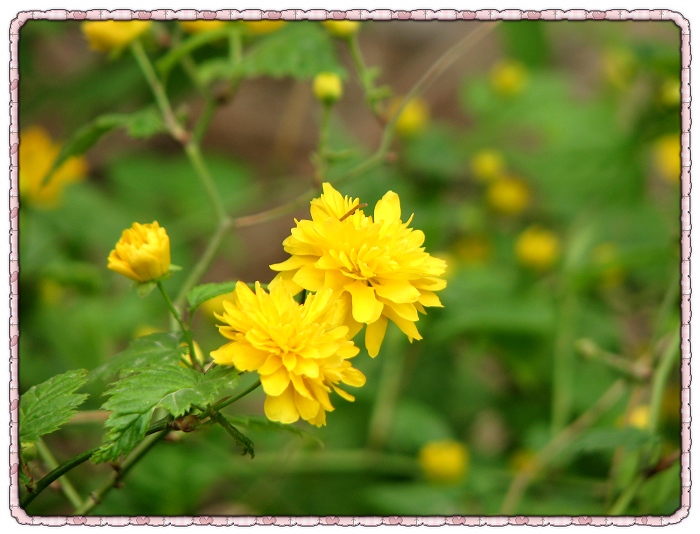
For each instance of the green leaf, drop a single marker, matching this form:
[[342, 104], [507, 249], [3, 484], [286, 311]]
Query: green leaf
[[139, 392], [245, 444], [265, 425], [140, 124], [609, 438], [144, 288], [299, 50], [153, 349], [202, 293], [44, 408]]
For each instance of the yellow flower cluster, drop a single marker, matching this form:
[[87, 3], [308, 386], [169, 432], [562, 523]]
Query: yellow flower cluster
[[376, 266], [108, 35], [300, 351], [37, 153]]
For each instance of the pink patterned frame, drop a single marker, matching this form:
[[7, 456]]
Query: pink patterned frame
[[380, 14]]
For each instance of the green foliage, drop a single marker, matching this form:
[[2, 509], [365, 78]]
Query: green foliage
[[201, 293], [262, 424], [140, 391], [46, 407]]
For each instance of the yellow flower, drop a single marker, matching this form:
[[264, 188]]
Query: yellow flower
[[260, 27], [444, 461], [146, 330], [201, 26], [341, 29], [413, 118], [639, 417], [488, 164], [667, 156], [142, 253], [537, 248], [327, 87], [508, 195], [376, 267], [299, 351], [508, 77], [37, 152], [108, 35]]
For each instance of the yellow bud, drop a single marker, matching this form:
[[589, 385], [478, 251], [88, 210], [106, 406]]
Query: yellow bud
[[444, 461], [413, 118], [342, 29], [261, 27], [327, 87], [639, 417], [508, 77], [37, 152], [488, 164], [508, 195], [667, 157], [142, 253], [537, 248], [201, 26], [108, 35]]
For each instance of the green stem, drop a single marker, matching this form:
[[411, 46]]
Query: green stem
[[388, 392], [225, 402], [663, 369], [623, 501], [57, 473], [320, 158], [66, 485], [563, 373], [362, 73], [173, 126], [185, 331], [139, 452], [195, 156]]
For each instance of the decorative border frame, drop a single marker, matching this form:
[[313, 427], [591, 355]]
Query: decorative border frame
[[356, 14]]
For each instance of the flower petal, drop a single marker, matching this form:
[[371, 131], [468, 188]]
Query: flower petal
[[274, 384], [365, 307], [388, 208], [374, 335], [281, 408], [400, 291], [309, 277]]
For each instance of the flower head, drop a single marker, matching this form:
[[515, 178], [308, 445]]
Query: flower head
[[327, 87], [376, 266], [300, 351], [108, 35], [142, 253], [667, 157], [342, 29], [444, 461], [508, 195], [537, 248], [413, 117], [488, 164], [508, 77], [201, 26], [37, 153]]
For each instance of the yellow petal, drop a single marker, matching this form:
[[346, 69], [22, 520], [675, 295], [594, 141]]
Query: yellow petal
[[309, 277], [388, 208], [344, 394], [400, 291], [353, 377], [308, 408], [365, 307], [374, 335], [293, 262], [245, 357], [271, 365], [407, 327], [428, 298], [274, 384], [281, 408]]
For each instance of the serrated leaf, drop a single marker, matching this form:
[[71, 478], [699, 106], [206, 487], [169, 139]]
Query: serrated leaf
[[202, 293], [299, 50], [139, 392], [265, 425], [153, 349], [44, 408]]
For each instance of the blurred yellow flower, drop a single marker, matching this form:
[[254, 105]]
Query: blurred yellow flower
[[508, 195], [108, 35], [639, 417], [201, 26], [444, 461], [300, 351], [488, 164], [341, 28], [413, 118], [51, 292], [328, 87], [667, 157], [670, 92], [146, 330], [142, 253], [508, 77], [261, 27], [537, 248], [376, 267], [37, 152]]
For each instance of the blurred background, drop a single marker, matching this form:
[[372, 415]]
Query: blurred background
[[543, 165]]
